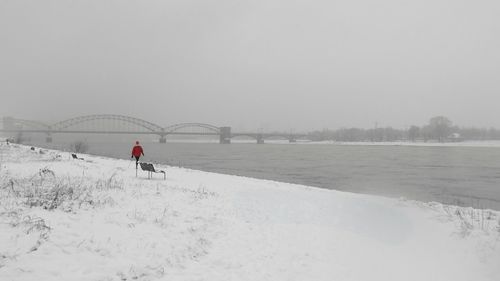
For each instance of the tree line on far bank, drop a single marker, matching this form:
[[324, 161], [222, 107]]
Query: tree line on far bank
[[439, 129]]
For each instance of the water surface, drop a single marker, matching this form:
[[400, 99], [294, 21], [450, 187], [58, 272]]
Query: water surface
[[466, 176]]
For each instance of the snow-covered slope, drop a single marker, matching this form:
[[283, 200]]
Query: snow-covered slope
[[93, 219]]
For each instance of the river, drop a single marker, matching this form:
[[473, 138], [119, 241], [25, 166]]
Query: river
[[465, 176]]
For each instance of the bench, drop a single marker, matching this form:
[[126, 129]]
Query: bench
[[75, 157], [151, 169]]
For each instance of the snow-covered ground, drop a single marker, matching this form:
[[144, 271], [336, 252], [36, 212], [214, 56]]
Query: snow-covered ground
[[93, 219]]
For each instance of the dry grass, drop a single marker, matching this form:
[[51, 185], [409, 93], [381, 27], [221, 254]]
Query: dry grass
[[471, 219], [47, 191]]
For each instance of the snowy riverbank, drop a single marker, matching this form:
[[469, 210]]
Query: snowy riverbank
[[92, 219]]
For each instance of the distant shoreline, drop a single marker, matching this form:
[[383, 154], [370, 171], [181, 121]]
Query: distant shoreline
[[426, 144]]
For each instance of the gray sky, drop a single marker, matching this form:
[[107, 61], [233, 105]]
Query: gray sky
[[273, 64]]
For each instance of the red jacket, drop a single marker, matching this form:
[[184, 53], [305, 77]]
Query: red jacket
[[137, 151]]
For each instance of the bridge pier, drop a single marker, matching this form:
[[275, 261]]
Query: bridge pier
[[225, 135], [48, 139], [163, 139], [260, 139], [291, 139]]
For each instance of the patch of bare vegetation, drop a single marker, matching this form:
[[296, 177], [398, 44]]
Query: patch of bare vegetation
[[30, 233], [44, 190], [197, 194], [469, 219], [47, 191], [79, 146]]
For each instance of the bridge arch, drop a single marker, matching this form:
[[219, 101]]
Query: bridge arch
[[177, 127], [89, 118]]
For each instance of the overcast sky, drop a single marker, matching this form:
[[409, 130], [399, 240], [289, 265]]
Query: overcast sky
[[273, 64]]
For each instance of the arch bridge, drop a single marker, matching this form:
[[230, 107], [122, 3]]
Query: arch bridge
[[120, 124]]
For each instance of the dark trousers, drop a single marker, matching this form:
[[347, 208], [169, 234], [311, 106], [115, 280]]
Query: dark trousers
[[137, 161]]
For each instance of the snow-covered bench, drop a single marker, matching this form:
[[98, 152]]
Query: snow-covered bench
[[151, 169]]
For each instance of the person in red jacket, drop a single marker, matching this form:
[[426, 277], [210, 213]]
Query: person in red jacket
[[136, 152]]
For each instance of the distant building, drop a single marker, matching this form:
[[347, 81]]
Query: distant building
[[455, 137]]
